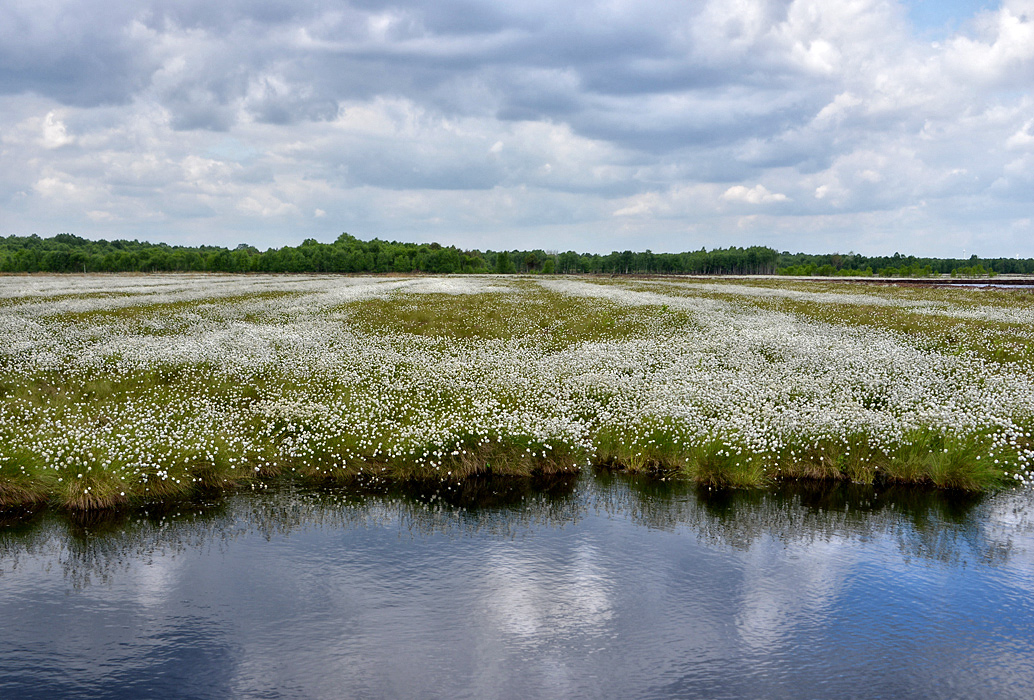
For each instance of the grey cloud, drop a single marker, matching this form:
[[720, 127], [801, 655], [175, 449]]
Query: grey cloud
[[224, 15], [1015, 188], [400, 171], [377, 162], [74, 76], [540, 63], [532, 95], [273, 104], [200, 109], [807, 152], [76, 54], [454, 16]]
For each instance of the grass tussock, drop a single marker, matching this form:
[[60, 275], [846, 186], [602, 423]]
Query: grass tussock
[[852, 458], [491, 459], [94, 491], [19, 488], [975, 462], [664, 450], [721, 465], [966, 463], [651, 449]]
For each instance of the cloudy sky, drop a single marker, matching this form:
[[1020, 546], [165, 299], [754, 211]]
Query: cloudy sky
[[806, 125]]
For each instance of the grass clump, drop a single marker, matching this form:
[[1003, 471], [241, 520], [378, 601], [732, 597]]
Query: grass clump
[[20, 485], [961, 462], [966, 463], [663, 448], [849, 458], [721, 464], [653, 447]]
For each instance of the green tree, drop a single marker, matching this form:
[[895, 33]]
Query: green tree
[[503, 264]]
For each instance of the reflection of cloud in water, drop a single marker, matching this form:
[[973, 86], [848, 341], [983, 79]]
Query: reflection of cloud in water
[[538, 601], [1009, 524], [782, 592], [149, 584]]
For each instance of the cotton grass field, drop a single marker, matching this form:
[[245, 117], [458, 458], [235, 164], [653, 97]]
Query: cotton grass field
[[120, 390]]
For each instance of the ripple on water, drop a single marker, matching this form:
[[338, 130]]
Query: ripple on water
[[600, 587]]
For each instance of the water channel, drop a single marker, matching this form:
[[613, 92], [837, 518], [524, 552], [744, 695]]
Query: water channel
[[596, 586]]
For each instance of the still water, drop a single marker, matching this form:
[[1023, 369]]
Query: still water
[[590, 587]]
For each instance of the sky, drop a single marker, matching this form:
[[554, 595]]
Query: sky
[[869, 126]]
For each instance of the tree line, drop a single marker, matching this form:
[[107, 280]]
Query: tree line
[[897, 265], [66, 252]]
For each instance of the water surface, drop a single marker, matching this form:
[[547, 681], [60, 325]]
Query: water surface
[[595, 586]]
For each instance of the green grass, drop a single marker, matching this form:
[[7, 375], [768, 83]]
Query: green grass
[[554, 320]]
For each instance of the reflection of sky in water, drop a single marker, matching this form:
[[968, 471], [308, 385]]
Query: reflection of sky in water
[[614, 590], [782, 589], [537, 600]]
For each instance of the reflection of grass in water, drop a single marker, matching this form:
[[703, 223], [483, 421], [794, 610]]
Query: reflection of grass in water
[[925, 522], [92, 546], [930, 524], [479, 493]]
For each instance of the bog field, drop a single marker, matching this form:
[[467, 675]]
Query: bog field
[[119, 390]]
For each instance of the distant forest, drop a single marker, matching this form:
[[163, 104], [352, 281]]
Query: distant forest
[[69, 253]]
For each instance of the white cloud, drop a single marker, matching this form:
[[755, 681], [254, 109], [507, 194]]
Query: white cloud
[[641, 205], [1023, 138], [835, 112], [266, 205], [1001, 51], [53, 187], [100, 216], [758, 194], [55, 134]]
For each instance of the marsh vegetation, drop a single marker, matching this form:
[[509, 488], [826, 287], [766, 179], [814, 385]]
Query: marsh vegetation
[[121, 390]]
